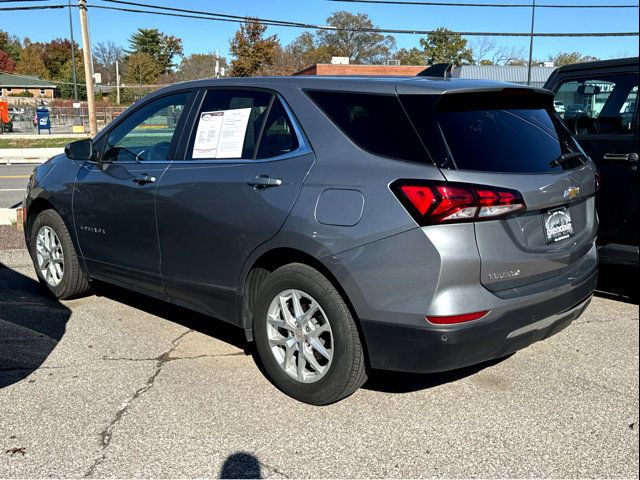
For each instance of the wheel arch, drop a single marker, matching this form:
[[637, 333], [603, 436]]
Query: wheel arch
[[273, 259]]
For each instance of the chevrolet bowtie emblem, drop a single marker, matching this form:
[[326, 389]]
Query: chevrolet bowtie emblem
[[571, 193]]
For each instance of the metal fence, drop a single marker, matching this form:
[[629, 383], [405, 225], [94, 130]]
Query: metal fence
[[63, 118]]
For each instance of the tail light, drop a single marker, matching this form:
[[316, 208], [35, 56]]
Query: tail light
[[453, 319], [440, 202], [597, 180]]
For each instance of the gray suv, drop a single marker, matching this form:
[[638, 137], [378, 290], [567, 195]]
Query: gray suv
[[346, 224]]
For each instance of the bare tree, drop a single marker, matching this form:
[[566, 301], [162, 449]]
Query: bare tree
[[106, 55], [482, 47], [508, 56]]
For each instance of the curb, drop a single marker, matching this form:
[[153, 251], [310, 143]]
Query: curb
[[8, 216]]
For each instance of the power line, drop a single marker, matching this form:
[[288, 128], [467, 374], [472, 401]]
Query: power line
[[212, 16], [33, 7], [496, 5]]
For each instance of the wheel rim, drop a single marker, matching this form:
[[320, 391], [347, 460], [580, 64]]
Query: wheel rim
[[50, 256], [300, 336]]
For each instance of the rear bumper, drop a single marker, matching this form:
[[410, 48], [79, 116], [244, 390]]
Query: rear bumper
[[393, 346]]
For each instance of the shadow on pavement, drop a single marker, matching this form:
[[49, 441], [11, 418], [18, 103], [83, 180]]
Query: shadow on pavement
[[618, 282], [182, 316], [401, 382], [31, 325], [241, 465]]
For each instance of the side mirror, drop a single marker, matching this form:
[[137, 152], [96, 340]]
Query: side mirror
[[79, 150]]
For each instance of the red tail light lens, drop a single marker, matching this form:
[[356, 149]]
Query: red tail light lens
[[440, 202], [451, 319]]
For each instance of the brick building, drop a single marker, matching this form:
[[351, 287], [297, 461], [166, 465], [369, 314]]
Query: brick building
[[375, 70], [14, 84]]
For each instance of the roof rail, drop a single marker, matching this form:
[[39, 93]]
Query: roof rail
[[439, 70]]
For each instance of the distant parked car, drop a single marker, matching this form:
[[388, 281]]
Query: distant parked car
[[574, 110], [559, 106], [609, 135]]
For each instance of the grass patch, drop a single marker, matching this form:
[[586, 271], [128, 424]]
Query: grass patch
[[36, 142]]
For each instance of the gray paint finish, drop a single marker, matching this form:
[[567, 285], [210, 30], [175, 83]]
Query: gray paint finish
[[193, 236]]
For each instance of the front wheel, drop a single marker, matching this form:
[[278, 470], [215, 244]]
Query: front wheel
[[306, 337], [54, 257]]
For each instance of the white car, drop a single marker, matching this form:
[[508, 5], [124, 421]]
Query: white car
[[559, 106]]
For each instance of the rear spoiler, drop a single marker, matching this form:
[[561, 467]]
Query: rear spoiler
[[491, 99], [437, 70]]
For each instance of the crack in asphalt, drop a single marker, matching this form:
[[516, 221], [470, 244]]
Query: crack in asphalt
[[107, 433], [273, 469], [170, 359]]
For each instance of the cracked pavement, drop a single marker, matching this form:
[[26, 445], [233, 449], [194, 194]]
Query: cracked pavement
[[118, 385]]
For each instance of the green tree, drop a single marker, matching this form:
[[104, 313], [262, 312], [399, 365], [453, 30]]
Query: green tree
[[412, 56], [252, 51], [30, 62], [351, 39], [159, 46], [199, 65], [141, 68], [563, 58], [445, 46], [11, 45], [66, 79], [304, 51]]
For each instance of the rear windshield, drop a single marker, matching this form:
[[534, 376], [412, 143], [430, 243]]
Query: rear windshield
[[494, 138], [376, 123]]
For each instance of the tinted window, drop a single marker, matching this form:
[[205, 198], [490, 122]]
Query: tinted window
[[598, 105], [278, 136], [235, 139], [513, 140], [491, 131], [146, 135], [376, 123]]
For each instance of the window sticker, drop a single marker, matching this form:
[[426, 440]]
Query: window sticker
[[220, 134]]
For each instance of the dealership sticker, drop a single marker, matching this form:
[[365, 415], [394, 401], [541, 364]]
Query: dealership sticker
[[220, 134]]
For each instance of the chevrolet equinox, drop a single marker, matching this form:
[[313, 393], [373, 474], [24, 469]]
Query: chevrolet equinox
[[346, 224]]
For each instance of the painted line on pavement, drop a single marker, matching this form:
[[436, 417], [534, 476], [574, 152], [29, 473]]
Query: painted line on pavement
[[8, 177]]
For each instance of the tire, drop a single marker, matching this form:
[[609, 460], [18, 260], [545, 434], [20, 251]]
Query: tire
[[70, 280], [336, 373]]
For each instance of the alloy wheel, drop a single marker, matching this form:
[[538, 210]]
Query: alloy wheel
[[300, 336]]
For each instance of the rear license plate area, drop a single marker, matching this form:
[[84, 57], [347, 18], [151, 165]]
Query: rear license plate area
[[557, 225]]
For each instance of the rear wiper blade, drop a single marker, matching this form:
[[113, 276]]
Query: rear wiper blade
[[564, 158]]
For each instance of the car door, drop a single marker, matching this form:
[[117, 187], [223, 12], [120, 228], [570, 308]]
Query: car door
[[601, 110], [243, 167], [114, 197]]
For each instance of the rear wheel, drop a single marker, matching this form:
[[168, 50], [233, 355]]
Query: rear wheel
[[306, 337], [54, 257]]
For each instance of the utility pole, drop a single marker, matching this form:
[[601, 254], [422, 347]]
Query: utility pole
[[533, 18], [73, 57], [88, 67], [117, 83]]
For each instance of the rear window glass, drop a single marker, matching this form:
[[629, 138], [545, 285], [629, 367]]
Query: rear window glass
[[503, 139], [376, 123]]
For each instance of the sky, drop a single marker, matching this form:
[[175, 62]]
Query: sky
[[203, 36]]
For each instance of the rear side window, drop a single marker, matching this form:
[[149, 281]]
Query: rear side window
[[376, 123], [508, 138], [278, 136]]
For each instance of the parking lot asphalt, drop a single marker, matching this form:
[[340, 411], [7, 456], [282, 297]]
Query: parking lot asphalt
[[118, 385], [13, 181]]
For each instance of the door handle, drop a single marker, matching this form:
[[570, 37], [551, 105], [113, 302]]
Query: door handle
[[620, 157], [264, 181], [144, 179]]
